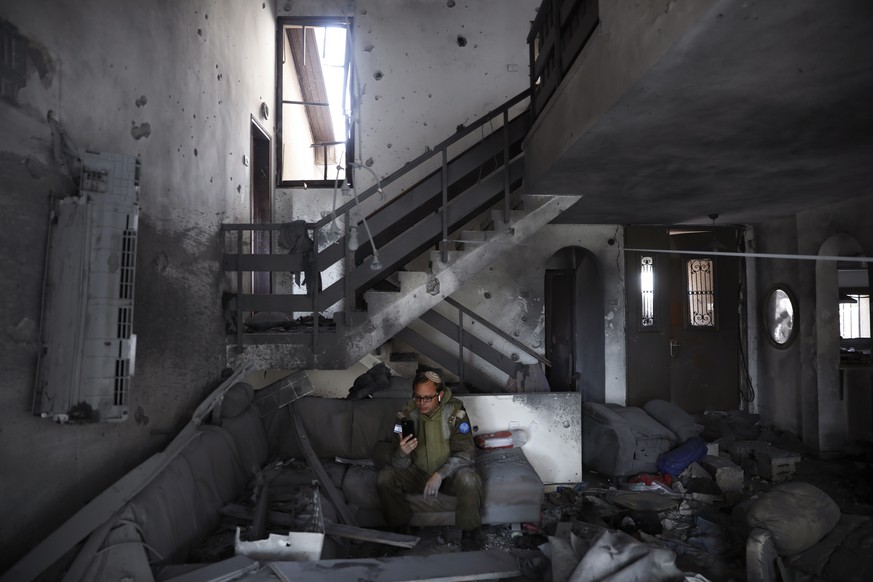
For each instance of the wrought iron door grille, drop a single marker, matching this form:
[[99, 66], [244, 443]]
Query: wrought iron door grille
[[647, 292], [701, 292]]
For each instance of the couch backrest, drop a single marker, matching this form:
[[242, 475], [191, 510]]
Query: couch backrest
[[179, 507], [335, 427], [239, 417]]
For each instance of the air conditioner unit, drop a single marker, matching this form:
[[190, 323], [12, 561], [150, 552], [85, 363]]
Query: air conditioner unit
[[88, 346]]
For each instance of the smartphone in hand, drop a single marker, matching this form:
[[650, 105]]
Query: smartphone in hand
[[407, 428]]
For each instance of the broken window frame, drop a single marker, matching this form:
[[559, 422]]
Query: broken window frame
[[329, 174]]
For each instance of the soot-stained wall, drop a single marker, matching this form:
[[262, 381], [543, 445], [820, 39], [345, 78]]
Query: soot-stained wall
[[175, 84]]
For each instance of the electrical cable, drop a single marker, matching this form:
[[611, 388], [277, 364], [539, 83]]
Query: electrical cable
[[746, 388]]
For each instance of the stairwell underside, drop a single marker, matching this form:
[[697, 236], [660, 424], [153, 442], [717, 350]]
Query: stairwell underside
[[352, 340]]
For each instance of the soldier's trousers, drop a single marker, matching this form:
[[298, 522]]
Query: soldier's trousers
[[465, 485]]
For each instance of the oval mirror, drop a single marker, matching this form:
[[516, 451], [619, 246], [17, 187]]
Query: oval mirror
[[779, 316]]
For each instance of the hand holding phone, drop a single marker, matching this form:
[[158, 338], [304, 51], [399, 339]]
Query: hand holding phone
[[407, 427]]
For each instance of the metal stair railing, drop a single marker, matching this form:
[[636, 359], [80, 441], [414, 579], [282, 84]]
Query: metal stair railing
[[467, 343], [240, 262]]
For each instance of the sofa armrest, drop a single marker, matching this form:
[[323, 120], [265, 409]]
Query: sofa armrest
[[606, 439], [762, 561]]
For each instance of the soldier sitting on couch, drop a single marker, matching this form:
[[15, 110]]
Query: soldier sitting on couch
[[437, 454]]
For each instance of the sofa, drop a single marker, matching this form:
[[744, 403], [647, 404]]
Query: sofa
[[798, 533], [354, 439], [618, 441], [162, 513]]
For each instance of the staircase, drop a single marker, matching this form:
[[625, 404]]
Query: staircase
[[436, 212]]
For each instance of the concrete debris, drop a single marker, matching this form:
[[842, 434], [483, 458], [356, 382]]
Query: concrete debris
[[765, 460], [728, 475]]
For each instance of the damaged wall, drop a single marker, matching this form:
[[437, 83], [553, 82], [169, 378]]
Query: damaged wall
[[792, 393], [510, 294], [631, 37], [176, 84], [417, 62]]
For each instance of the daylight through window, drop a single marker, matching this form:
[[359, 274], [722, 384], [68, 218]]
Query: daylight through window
[[315, 102], [855, 316], [701, 293]]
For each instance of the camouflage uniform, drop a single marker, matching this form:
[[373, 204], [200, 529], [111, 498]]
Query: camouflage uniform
[[445, 446]]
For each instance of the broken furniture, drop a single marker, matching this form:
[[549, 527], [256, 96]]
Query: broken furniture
[[799, 533], [625, 440], [157, 521]]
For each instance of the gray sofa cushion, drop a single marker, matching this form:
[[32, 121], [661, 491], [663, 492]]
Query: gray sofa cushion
[[328, 425], [180, 506], [619, 440], [677, 420], [796, 514], [243, 422], [373, 422]]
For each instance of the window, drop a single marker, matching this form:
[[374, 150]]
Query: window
[[647, 292], [314, 101], [701, 292], [779, 317], [854, 316]]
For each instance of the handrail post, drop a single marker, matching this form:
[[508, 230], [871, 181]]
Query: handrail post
[[445, 207], [239, 290], [348, 268], [506, 204], [461, 347], [314, 272]]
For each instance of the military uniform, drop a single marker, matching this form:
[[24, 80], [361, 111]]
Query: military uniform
[[445, 446]]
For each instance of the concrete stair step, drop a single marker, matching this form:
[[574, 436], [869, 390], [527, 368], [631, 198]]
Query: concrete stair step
[[411, 279], [408, 281]]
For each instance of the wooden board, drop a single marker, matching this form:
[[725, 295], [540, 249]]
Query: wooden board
[[451, 567]]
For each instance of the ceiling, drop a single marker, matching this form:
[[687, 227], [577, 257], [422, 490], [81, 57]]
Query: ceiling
[[761, 109]]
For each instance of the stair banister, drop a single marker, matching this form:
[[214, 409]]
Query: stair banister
[[506, 201], [443, 145], [444, 178], [498, 331]]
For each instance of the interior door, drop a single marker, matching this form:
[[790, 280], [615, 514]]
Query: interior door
[[261, 204], [560, 291], [704, 323], [683, 320]]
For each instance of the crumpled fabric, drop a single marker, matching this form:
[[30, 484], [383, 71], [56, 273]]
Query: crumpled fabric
[[608, 555], [294, 237]]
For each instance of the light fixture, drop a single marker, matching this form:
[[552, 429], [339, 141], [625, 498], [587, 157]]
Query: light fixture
[[353, 238], [375, 176], [716, 245], [376, 265]]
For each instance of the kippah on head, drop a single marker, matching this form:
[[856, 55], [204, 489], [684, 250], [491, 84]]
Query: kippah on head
[[427, 375]]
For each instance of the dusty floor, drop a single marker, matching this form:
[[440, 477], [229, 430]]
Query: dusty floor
[[705, 531]]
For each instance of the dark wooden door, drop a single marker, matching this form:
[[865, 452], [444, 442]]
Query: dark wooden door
[[261, 204], [704, 323], [560, 292], [683, 321]]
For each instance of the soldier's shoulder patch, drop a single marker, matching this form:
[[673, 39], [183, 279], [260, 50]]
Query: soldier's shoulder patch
[[461, 413], [464, 427]]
